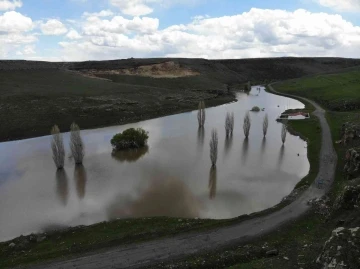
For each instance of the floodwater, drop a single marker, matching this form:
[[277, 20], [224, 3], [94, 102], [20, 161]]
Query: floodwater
[[171, 177]]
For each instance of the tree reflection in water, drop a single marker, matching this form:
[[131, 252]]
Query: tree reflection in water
[[245, 149], [130, 155], [212, 182], [62, 186], [80, 178]]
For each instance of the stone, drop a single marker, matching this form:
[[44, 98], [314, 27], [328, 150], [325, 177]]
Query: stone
[[273, 252], [40, 239]]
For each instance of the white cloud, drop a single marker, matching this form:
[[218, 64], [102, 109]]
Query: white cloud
[[13, 22], [73, 34], [29, 50], [53, 27], [102, 13], [9, 5], [341, 5], [257, 33], [134, 7], [94, 26]]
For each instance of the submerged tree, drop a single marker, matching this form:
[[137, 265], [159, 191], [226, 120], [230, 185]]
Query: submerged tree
[[283, 132], [229, 123], [247, 125], [57, 146], [201, 114], [213, 147], [265, 124], [76, 144]]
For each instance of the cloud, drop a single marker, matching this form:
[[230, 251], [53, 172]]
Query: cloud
[[341, 5], [95, 26], [14, 22], [257, 33], [135, 7], [73, 34], [53, 27], [10, 5], [102, 13]]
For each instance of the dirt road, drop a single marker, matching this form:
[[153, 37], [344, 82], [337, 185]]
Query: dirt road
[[148, 253]]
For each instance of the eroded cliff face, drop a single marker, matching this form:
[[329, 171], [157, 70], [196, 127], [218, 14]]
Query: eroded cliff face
[[168, 69]]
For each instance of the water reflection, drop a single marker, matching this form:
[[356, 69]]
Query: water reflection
[[281, 156], [245, 149], [80, 178], [262, 149], [130, 155], [228, 144], [200, 136], [212, 182], [163, 197], [62, 189]]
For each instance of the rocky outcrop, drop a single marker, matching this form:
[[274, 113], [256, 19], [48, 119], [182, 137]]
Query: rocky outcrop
[[349, 131], [350, 197], [352, 163], [341, 250]]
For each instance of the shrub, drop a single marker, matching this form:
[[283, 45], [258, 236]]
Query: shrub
[[130, 138], [76, 144], [201, 114], [265, 124], [57, 146], [255, 109], [247, 125], [213, 147]]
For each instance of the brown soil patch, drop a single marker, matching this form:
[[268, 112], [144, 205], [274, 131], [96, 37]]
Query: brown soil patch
[[162, 70]]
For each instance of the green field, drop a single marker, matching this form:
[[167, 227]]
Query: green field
[[336, 92]]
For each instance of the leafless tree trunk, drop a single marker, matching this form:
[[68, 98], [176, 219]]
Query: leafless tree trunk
[[76, 144], [265, 124], [201, 113], [57, 146], [247, 125], [283, 132], [213, 147]]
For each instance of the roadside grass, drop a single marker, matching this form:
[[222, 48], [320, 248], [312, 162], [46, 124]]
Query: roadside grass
[[99, 237], [337, 92]]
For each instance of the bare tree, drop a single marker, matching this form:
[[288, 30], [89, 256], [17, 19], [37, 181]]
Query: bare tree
[[76, 144], [213, 147], [201, 114], [232, 120], [229, 123], [247, 124], [265, 124], [283, 132], [57, 146]]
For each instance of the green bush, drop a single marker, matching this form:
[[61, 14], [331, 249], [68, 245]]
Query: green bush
[[130, 138], [255, 109]]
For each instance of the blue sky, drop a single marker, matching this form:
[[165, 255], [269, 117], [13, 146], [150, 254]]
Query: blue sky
[[65, 30]]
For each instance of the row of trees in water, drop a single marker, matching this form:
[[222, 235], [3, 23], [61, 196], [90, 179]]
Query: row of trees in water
[[229, 128], [76, 146]]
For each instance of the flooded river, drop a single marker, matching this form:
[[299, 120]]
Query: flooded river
[[171, 177]]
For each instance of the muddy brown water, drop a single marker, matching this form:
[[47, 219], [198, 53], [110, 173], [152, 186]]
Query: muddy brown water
[[171, 177]]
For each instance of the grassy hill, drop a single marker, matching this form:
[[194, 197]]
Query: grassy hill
[[36, 95]]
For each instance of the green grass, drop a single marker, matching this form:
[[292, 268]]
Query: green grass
[[32, 101], [337, 92], [100, 236]]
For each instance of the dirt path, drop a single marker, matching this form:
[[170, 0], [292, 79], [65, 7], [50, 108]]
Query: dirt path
[[144, 254]]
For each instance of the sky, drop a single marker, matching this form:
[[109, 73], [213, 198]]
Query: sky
[[79, 30]]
